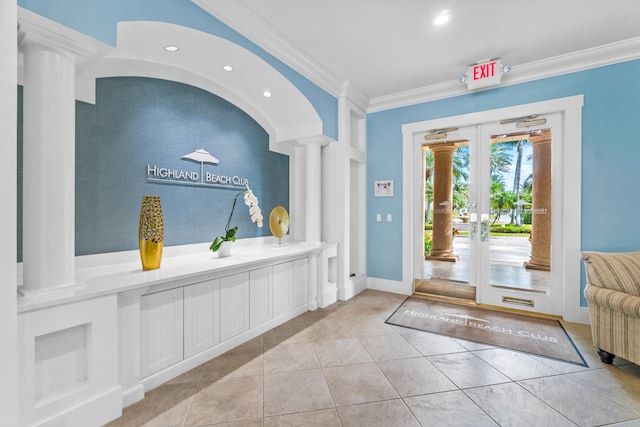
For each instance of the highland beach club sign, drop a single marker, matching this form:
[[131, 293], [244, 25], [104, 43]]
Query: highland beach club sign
[[164, 175]]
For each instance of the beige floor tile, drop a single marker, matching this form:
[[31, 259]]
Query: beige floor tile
[[467, 370], [290, 357], [581, 405], [295, 391], [388, 347], [355, 384], [378, 414], [153, 416], [632, 423], [322, 418], [192, 376], [515, 365], [472, 345], [614, 384], [449, 409], [370, 325], [244, 360], [411, 377], [328, 331], [431, 344], [511, 405], [244, 423], [560, 366], [292, 331], [170, 394], [225, 400], [347, 351]]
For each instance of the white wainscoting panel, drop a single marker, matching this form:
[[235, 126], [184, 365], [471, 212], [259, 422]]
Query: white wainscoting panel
[[234, 305], [201, 316], [161, 328]]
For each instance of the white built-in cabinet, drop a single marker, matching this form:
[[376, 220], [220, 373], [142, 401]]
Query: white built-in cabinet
[[161, 323], [260, 296], [201, 319], [234, 305], [282, 288], [299, 288], [182, 322]]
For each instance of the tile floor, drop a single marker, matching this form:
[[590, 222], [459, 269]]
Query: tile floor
[[343, 366]]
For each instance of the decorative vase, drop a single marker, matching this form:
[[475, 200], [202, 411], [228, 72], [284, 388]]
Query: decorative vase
[[225, 249], [151, 232]]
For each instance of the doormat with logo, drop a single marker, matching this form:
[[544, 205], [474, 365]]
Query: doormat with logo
[[528, 334]]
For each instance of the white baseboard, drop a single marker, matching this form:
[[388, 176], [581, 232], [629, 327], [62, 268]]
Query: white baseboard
[[388, 286], [353, 287], [132, 395], [328, 297], [96, 410]]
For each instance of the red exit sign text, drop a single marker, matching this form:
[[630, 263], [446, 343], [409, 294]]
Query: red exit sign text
[[484, 74]]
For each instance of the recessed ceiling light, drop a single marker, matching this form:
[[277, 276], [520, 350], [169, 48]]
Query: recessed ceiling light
[[266, 94], [171, 48], [227, 67], [442, 18]]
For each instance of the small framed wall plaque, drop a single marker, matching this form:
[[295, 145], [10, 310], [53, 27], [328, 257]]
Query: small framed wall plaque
[[383, 188]]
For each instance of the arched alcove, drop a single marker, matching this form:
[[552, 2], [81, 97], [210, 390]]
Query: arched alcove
[[286, 116]]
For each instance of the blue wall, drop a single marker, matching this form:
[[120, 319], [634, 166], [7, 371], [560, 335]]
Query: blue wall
[[138, 122], [610, 157], [99, 20]]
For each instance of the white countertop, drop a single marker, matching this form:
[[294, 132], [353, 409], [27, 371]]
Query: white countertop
[[107, 274]]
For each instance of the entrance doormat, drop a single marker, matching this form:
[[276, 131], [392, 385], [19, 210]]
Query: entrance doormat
[[528, 334]]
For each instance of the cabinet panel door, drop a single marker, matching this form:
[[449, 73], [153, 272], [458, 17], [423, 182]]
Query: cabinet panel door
[[201, 316], [161, 325], [300, 282], [282, 288], [234, 305], [260, 296]]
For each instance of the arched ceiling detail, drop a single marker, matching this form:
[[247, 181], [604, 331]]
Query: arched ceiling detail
[[286, 116]]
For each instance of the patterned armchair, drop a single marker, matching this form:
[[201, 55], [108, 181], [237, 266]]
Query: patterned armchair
[[613, 293]]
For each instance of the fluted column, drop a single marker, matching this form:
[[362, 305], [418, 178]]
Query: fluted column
[[442, 249], [48, 167], [541, 204]]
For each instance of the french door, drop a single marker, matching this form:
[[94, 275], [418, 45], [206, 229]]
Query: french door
[[497, 237]]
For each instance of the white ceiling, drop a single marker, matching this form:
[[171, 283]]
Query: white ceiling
[[386, 47]]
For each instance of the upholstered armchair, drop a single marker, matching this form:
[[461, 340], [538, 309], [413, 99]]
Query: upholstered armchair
[[613, 293]]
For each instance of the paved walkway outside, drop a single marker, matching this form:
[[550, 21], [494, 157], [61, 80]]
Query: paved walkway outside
[[507, 256]]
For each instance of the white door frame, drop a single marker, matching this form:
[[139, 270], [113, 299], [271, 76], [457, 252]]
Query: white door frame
[[569, 184]]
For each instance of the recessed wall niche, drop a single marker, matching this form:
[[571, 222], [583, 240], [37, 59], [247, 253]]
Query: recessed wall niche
[[61, 362]]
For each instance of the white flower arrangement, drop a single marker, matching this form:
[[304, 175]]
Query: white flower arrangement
[[250, 200]]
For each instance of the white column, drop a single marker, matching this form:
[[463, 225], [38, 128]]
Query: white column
[[8, 221], [313, 191], [48, 167]]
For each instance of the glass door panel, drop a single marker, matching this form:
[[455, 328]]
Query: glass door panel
[[446, 178]]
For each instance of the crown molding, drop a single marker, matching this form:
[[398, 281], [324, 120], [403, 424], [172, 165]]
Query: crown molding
[[245, 21], [238, 16], [613, 53], [352, 93]]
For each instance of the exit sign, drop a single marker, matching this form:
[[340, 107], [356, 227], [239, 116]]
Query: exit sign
[[484, 74]]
